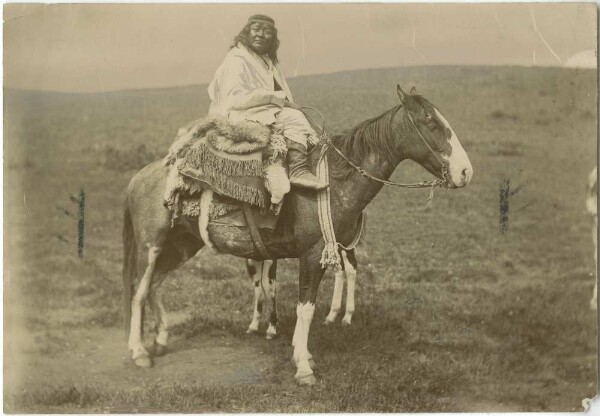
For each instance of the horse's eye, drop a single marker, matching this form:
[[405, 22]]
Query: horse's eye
[[432, 124]]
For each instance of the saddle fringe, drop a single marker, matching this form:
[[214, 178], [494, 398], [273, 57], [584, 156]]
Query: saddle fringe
[[213, 165]]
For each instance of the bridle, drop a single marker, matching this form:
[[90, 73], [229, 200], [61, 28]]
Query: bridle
[[442, 183]]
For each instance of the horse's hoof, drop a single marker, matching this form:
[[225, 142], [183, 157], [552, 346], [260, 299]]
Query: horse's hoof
[[346, 322], [271, 331], [327, 322], [308, 380], [159, 349], [143, 361], [252, 331]]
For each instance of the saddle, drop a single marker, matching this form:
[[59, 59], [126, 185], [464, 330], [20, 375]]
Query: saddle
[[238, 162], [242, 165]]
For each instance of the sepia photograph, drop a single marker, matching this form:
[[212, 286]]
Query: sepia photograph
[[300, 208]]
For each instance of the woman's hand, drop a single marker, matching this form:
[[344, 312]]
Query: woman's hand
[[290, 104]]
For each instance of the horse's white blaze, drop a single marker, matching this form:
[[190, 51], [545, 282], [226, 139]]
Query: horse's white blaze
[[336, 300], [459, 165], [304, 314], [137, 304], [591, 202], [205, 200], [351, 278]]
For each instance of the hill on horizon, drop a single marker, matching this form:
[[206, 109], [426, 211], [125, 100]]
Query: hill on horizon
[[576, 62]]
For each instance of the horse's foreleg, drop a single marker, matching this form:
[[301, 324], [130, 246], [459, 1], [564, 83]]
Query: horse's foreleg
[[258, 298], [310, 278], [350, 267], [162, 324], [302, 358], [336, 300], [270, 281], [139, 353]]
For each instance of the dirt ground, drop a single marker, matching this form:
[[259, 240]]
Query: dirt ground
[[96, 356]]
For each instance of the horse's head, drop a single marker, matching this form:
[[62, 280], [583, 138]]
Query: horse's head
[[436, 146]]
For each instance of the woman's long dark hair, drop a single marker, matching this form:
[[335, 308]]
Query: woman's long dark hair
[[244, 38]]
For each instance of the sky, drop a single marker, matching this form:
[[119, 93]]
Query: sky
[[103, 47]]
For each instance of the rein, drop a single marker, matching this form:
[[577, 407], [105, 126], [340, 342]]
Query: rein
[[423, 184]]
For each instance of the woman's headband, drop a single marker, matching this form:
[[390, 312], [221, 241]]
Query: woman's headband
[[261, 18]]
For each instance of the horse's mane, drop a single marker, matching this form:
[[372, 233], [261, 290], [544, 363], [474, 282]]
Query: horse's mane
[[373, 136]]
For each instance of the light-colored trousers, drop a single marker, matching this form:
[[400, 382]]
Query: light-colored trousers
[[293, 125]]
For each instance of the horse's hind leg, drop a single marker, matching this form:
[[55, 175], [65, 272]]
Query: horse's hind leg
[[258, 296], [350, 266], [270, 282], [175, 252], [139, 353], [160, 315]]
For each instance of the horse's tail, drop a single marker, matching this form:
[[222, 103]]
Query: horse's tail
[[129, 266]]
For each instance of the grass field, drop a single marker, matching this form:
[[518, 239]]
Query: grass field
[[452, 314]]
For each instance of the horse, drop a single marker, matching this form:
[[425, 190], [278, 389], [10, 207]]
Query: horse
[[591, 203], [363, 160], [264, 279]]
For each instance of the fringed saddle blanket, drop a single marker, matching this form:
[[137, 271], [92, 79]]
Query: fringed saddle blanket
[[234, 160]]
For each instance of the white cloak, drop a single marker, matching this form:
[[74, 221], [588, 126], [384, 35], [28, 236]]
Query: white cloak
[[243, 88]]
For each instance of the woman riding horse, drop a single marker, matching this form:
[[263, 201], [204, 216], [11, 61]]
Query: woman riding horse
[[248, 86], [361, 161]]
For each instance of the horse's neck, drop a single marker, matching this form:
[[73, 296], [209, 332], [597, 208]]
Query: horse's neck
[[354, 193]]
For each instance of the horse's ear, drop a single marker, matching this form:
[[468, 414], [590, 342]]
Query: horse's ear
[[401, 94], [413, 91]]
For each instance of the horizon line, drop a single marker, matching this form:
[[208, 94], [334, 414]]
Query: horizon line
[[175, 86]]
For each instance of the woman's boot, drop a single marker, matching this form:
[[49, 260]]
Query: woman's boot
[[300, 174]]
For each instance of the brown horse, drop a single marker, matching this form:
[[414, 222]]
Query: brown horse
[[414, 129]]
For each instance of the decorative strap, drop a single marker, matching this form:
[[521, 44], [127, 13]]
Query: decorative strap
[[254, 233], [330, 256]]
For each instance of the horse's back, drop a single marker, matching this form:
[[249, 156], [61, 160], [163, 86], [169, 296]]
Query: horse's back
[[150, 177]]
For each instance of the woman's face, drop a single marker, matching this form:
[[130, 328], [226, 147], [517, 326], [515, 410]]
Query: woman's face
[[261, 37]]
